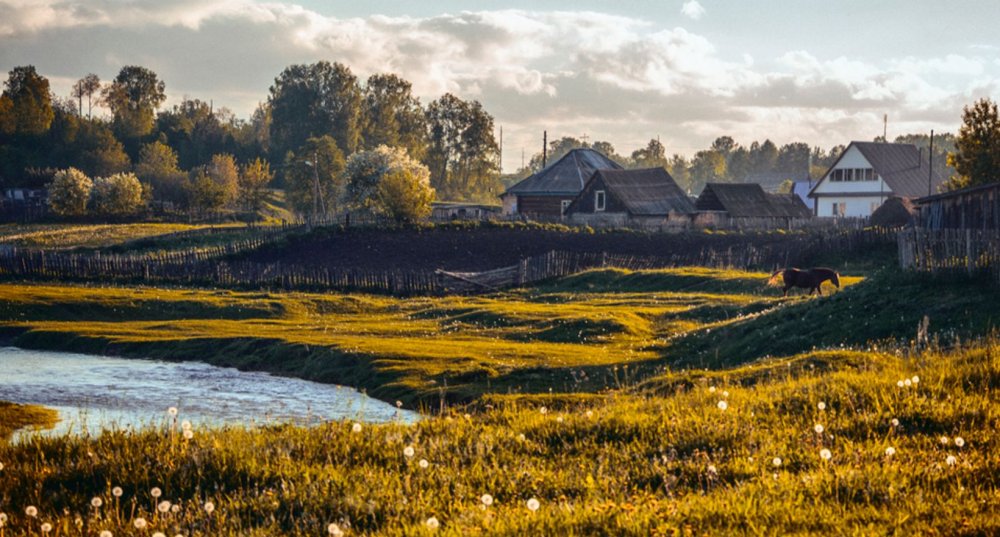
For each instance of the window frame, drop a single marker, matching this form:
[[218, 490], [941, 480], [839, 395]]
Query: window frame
[[600, 201]]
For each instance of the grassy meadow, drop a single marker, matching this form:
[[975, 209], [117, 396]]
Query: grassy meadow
[[672, 402]]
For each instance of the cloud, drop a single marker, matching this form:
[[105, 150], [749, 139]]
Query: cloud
[[692, 9], [616, 78]]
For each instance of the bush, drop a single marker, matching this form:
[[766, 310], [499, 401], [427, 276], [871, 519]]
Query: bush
[[118, 195], [69, 192]]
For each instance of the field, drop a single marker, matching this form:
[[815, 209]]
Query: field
[[679, 401]]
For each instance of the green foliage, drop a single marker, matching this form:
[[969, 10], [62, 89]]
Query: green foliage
[[99, 153], [133, 97], [69, 192], [392, 116], [28, 109], [977, 148], [252, 183], [118, 195], [14, 417], [462, 153], [405, 196], [314, 181], [707, 167], [157, 167]]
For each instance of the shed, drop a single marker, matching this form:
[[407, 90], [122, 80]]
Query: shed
[[895, 212], [976, 207], [548, 193], [646, 197], [747, 206]]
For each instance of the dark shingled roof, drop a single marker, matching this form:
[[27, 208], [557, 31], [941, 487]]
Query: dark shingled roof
[[894, 212], [566, 175], [902, 166], [646, 192], [750, 201]]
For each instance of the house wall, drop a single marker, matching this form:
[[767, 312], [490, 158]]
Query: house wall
[[600, 220], [852, 159], [549, 207], [855, 206], [584, 203], [509, 202], [860, 198]]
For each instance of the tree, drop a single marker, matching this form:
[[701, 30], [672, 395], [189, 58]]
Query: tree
[[99, 153], [69, 192], [204, 194], [253, 179], [793, 158], [764, 156], [403, 196], [724, 145], [314, 183], [392, 116], [118, 195], [365, 171], [654, 155], [223, 172], [310, 101], [133, 98], [157, 167], [463, 155], [196, 132], [86, 87], [678, 168], [28, 107], [977, 148], [944, 143], [707, 167]]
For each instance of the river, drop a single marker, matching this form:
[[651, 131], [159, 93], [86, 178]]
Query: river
[[93, 393]]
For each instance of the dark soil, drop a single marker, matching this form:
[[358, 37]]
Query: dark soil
[[482, 248]]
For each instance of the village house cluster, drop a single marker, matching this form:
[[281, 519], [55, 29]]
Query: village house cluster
[[585, 187]]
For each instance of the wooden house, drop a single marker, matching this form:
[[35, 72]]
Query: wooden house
[[741, 205], [547, 194], [868, 173], [975, 207], [636, 198], [457, 210]]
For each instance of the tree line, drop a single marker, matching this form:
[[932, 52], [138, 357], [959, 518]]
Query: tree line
[[194, 157]]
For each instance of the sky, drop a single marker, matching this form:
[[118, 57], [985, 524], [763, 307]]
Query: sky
[[683, 71]]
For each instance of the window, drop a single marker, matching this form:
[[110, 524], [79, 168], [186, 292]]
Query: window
[[565, 205], [852, 174], [599, 200], [838, 208]]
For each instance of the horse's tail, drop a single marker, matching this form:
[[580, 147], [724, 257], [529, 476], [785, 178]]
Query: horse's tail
[[774, 277]]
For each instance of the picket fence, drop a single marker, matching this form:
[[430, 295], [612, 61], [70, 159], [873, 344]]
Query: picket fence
[[950, 251]]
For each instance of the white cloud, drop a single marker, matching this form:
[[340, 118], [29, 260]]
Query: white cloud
[[692, 9]]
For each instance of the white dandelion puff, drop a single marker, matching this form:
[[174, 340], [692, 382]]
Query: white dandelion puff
[[559, 419], [423, 463], [900, 383], [96, 502], [356, 428], [3, 519], [159, 534], [590, 413], [46, 527], [163, 506], [776, 461], [712, 470], [543, 410], [915, 379], [116, 492], [907, 383], [172, 411], [155, 492], [486, 499], [31, 511], [533, 505], [175, 509], [107, 533], [725, 394], [890, 451], [951, 460], [432, 523], [895, 422], [188, 434], [711, 389], [825, 454], [818, 428], [209, 507], [722, 405], [944, 440], [334, 529], [821, 405], [959, 441], [408, 451], [139, 523], [186, 425]]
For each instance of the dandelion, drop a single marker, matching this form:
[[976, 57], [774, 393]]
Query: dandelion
[[722, 405], [155, 492], [399, 404], [825, 454], [543, 410], [356, 428], [139, 523], [951, 460], [818, 428], [590, 413], [159, 534], [711, 389], [915, 379], [943, 440], [3, 519], [186, 425], [559, 419], [821, 405], [175, 509], [107, 533], [46, 527], [423, 463], [776, 461], [712, 470], [163, 506], [521, 437], [31, 511], [890, 451], [533, 505], [486, 499], [334, 529], [433, 523], [959, 441], [209, 507], [172, 411], [408, 451], [97, 502], [188, 434], [1, 466], [725, 394], [908, 383], [116, 492], [900, 383], [895, 422]]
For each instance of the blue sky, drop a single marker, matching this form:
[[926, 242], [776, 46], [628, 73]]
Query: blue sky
[[685, 71]]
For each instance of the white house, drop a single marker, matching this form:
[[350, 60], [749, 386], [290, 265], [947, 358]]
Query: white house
[[868, 173]]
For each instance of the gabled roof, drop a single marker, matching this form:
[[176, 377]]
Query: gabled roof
[[903, 167], [742, 200], [645, 192], [894, 212], [566, 175]]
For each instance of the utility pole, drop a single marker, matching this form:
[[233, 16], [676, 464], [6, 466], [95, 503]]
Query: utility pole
[[930, 166]]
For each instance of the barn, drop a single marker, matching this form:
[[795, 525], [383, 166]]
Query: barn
[[547, 194], [747, 206], [976, 207], [636, 198]]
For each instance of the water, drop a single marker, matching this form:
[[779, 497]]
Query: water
[[93, 393]]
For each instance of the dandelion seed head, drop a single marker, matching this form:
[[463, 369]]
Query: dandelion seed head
[[334, 529], [486, 499], [818, 428], [3, 519], [408, 451], [915, 379], [399, 404], [159, 534], [908, 383], [711, 389], [821, 405], [895, 422], [163, 506], [959, 441], [97, 502], [107, 533], [155, 492], [533, 505], [188, 434], [433, 523], [776, 461], [116, 492], [209, 507], [46, 527], [900, 383], [825, 454], [356, 428], [944, 440], [543, 410], [722, 405], [175, 508], [590, 413], [559, 419], [521, 437], [172, 411], [423, 463], [139, 523], [186, 425], [951, 460], [1, 466], [712, 470], [890, 451], [31, 511]]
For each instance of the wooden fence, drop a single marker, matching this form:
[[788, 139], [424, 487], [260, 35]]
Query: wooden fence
[[215, 266], [950, 251]]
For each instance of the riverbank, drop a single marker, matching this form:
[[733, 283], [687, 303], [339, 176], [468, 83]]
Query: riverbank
[[14, 416]]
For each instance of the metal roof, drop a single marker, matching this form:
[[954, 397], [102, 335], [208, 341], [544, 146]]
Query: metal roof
[[648, 191], [566, 175], [748, 200], [905, 170]]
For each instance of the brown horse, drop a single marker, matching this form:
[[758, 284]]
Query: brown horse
[[810, 279]]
